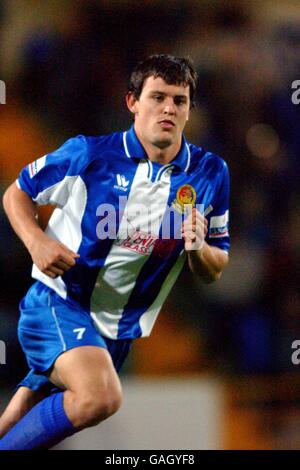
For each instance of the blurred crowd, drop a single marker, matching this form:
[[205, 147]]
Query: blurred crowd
[[69, 76]]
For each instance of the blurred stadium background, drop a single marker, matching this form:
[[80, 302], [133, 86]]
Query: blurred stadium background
[[217, 371]]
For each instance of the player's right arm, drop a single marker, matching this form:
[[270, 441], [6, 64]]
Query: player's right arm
[[47, 180], [51, 257]]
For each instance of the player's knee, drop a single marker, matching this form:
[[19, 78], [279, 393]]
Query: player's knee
[[96, 407]]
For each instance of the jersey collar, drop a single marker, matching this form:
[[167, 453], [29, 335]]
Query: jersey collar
[[134, 149]]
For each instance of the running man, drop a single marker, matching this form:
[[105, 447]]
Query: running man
[[131, 208]]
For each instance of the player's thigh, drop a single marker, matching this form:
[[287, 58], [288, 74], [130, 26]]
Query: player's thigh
[[85, 369]]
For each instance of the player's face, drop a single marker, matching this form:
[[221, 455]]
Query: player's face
[[161, 112]]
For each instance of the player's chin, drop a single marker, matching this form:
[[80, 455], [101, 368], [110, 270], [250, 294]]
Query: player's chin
[[163, 141]]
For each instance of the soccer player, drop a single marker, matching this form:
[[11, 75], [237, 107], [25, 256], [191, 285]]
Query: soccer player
[[131, 207]]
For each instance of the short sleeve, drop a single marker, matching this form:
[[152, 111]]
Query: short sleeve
[[49, 179], [218, 218]]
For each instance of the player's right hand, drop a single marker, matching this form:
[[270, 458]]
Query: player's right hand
[[52, 257]]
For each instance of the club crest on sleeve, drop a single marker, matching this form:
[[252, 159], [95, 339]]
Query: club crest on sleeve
[[186, 195]]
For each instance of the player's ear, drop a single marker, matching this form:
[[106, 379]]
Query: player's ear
[[131, 102]]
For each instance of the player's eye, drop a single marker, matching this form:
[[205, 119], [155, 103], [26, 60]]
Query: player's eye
[[179, 101], [158, 98]]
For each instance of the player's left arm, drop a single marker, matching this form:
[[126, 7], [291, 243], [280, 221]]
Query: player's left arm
[[206, 241], [204, 260], [208, 263]]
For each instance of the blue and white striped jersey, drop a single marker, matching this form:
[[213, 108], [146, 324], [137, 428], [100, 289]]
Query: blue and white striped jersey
[[113, 207]]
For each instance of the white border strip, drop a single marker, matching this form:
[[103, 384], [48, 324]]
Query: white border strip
[[189, 158], [150, 170], [58, 329], [125, 145], [162, 170]]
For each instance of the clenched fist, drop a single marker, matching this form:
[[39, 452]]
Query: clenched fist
[[194, 230], [52, 257]]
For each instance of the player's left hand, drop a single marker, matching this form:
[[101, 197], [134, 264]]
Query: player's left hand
[[194, 230]]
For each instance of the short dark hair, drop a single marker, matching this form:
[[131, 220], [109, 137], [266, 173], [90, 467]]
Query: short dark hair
[[173, 70]]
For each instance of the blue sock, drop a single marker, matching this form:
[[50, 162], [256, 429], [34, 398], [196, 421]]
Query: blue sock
[[42, 427]]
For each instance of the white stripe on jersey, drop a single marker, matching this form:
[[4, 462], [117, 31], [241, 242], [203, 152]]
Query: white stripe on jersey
[[117, 278], [148, 318], [58, 193], [63, 226]]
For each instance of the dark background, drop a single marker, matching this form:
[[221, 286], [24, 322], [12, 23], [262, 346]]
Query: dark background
[[66, 66]]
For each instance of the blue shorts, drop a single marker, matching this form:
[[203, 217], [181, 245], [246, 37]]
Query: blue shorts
[[50, 326]]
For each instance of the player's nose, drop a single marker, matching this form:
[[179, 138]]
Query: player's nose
[[169, 107]]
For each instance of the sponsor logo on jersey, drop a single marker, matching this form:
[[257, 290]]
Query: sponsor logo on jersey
[[139, 242], [185, 196], [36, 166], [218, 226], [122, 183], [145, 244]]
